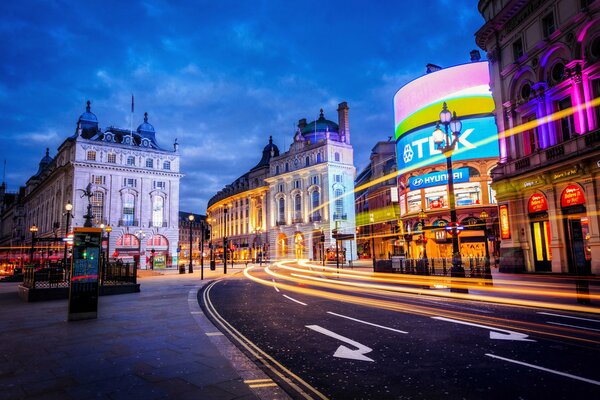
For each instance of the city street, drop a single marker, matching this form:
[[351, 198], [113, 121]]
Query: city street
[[322, 340]]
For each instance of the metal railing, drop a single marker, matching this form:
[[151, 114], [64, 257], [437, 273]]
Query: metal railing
[[123, 222], [475, 267]]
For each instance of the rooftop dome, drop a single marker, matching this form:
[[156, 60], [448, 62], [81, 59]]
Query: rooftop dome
[[88, 115], [320, 125], [145, 126], [269, 151], [45, 161]]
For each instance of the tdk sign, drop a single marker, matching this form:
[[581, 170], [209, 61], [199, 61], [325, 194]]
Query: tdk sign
[[478, 139], [438, 179]]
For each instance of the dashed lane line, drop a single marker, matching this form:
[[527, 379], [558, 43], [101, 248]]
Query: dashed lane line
[[573, 326], [568, 316], [366, 323], [292, 299]]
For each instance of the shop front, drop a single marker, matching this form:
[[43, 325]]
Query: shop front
[[537, 210], [577, 230]]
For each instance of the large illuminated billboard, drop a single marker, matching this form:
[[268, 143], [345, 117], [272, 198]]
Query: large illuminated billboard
[[417, 105]]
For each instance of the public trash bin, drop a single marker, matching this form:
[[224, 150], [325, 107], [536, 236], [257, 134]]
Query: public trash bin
[[182, 268], [213, 265]]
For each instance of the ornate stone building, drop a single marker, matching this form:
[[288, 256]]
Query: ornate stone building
[[133, 181], [545, 78], [289, 204]]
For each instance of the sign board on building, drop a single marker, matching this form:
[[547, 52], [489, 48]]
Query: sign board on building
[[566, 173], [572, 196], [537, 203], [85, 272], [438, 179], [532, 183], [504, 222]]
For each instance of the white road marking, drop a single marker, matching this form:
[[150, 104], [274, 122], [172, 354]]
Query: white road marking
[[197, 312], [494, 332], [366, 323], [275, 286], [292, 299], [573, 326], [568, 316], [214, 334], [593, 382], [343, 351]]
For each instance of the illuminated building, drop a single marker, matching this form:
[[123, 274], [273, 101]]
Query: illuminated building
[[545, 76], [196, 225], [134, 184], [290, 203], [422, 180], [377, 209]]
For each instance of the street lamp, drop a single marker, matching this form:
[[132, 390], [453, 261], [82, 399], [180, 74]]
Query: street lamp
[[487, 269], [108, 231], [446, 144], [422, 216], [202, 230], [68, 208], [372, 220], [33, 231], [191, 219], [225, 240]]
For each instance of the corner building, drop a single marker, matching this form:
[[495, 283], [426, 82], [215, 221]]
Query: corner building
[[545, 77], [291, 202]]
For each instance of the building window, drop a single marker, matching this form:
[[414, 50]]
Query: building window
[[281, 218], [548, 24], [129, 182], [567, 123], [318, 158], [337, 178], [297, 208], [276, 169], [315, 200], [339, 202], [98, 179], [435, 197], [130, 160], [596, 93], [530, 142], [280, 188], [287, 167], [91, 156], [112, 158], [557, 73], [128, 209], [159, 185], [97, 202], [315, 180], [336, 157], [297, 184], [307, 161], [167, 165], [149, 163], [158, 204], [517, 49]]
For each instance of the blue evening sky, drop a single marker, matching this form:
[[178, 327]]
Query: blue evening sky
[[220, 76]]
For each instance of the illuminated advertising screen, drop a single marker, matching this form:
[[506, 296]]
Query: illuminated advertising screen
[[417, 105]]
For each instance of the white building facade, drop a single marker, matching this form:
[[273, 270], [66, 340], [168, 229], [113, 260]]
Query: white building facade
[[134, 185]]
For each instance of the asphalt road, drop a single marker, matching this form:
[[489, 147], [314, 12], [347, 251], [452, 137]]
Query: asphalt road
[[414, 347]]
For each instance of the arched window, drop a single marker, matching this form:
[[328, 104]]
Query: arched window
[[128, 212], [336, 157], [281, 218], [315, 200], [97, 201], [158, 205], [318, 157], [287, 167], [297, 208], [339, 203], [307, 161], [276, 169]]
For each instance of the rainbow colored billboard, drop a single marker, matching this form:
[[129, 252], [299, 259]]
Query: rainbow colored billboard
[[417, 105]]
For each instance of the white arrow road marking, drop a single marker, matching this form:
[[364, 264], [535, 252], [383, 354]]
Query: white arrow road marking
[[292, 299], [366, 323], [568, 316], [593, 382], [343, 351], [495, 333]]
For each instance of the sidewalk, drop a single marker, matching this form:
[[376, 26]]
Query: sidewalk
[[155, 344]]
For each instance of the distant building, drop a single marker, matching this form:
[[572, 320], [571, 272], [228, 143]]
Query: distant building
[[289, 204], [134, 184], [198, 227], [545, 78]]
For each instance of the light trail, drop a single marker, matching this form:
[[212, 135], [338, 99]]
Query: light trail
[[391, 305]]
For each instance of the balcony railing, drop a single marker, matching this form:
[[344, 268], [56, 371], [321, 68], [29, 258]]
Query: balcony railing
[[342, 217], [315, 218], [578, 145], [297, 220], [123, 222], [152, 224], [279, 223]]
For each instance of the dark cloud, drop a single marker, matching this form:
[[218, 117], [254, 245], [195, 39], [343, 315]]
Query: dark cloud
[[221, 76]]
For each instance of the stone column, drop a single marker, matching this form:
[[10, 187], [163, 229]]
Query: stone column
[[557, 231], [591, 197]]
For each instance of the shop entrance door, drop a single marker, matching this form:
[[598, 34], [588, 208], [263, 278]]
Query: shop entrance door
[[576, 247], [541, 248]]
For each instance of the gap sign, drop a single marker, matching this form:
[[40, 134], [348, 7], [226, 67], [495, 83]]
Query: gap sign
[[438, 179]]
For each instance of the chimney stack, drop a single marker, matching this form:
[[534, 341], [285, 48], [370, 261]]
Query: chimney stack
[[343, 122]]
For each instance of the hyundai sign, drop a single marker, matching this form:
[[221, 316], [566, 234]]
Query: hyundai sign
[[478, 139], [438, 178]]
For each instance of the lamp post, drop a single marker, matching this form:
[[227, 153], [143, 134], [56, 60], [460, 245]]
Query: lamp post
[[68, 208], [225, 240], [322, 239], [33, 229], [191, 219], [422, 216], [372, 220], [108, 231], [446, 144], [202, 229], [487, 269]]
